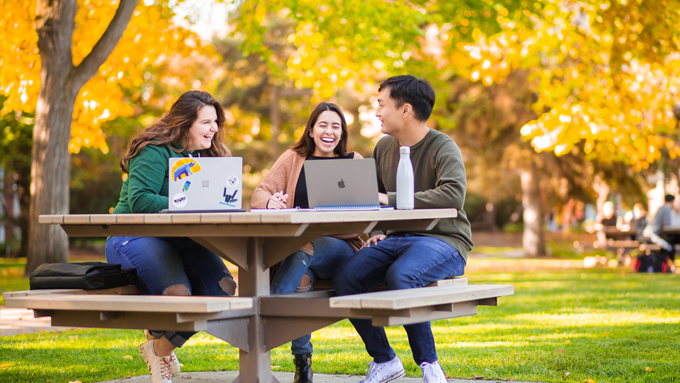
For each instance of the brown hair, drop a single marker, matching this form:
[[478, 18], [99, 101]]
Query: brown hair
[[173, 128], [305, 145]]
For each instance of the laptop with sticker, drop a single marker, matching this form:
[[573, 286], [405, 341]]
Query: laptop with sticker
[[205, 184], [342, 184]]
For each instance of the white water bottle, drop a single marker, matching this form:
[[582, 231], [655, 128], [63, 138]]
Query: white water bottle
[[405, 180]]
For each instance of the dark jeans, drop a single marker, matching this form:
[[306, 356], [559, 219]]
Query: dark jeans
[[165, 262], [402, 261]]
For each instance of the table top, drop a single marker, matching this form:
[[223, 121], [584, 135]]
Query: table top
[[259, 217]]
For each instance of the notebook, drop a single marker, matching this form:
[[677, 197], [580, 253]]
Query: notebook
[[205, 184], [345, 184]]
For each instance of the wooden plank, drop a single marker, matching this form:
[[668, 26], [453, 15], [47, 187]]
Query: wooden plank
[[126, 219], [123, 290], [47, 219], [77, 219], [427, 314], [216, 217], [161, 218], [132, 303], [431, 296], [186, 218], [103, 219], [246, 218], [122, 320]]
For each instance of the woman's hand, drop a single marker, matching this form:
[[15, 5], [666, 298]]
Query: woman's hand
[[277, 201], [374, 240], [384, 200]]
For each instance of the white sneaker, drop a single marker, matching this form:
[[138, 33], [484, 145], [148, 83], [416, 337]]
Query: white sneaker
[[432, 372], [172, 360], [384, 372], [159, 368]]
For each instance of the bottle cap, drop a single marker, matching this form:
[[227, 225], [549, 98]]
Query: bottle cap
[[405, 150]]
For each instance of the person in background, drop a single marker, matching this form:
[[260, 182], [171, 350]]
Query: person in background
[[410, 259], [639, 220], [653, 232], [169, 265], [324, 138], [607, 221]]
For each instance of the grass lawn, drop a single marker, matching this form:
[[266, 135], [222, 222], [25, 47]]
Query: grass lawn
[[564, 326]]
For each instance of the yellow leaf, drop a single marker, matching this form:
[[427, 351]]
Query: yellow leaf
[[3, 365], [648, 368], [567, 341], [128, 357]]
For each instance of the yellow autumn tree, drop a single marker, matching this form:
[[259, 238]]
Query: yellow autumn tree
[[68, 62]]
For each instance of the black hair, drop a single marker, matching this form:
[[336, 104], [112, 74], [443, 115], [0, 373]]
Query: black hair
[[669, 198], [415, 91]]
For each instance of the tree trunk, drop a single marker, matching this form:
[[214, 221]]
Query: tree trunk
[[534, 242], [23, 182], [8, 205], [60, 84]]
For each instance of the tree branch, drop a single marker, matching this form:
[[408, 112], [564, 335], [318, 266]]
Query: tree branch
[[103, 48]]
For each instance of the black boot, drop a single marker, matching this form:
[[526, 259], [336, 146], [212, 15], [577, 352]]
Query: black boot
[[303, 368]]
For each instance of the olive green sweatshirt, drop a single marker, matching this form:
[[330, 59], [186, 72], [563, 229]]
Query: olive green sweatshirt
[[440, 183], [146, 188]]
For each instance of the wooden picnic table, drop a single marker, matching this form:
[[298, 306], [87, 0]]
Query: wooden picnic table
[[255, 321]]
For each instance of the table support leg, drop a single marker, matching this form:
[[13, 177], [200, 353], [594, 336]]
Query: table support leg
[[255, 366]]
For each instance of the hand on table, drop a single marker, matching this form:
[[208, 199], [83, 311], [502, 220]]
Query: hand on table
[[277, 201], [374, 240]]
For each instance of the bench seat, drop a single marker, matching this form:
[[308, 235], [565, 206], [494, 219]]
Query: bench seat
[[124, 308]]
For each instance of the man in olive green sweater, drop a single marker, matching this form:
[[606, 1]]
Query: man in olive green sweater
[[410, 259]]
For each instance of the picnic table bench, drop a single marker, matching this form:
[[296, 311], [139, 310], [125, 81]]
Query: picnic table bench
[[254, 321]]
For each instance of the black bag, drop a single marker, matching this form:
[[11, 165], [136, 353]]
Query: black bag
[[652, 263], [86, 275]]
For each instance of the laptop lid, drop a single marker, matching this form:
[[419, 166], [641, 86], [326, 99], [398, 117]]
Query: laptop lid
[[345, 183], [205, 183]]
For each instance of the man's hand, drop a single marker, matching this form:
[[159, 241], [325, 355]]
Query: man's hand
[[277, 201], [374, 240], [382, 197]]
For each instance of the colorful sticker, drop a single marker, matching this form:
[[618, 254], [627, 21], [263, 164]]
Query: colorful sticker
[[186, 186], [232, 181], [184, 168], [179, 200], [229, 198]]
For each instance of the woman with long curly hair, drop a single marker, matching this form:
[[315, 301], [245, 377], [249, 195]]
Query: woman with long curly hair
[[170, 265]]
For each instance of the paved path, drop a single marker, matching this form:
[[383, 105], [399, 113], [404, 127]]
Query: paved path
[[21, 321], [283, 377]]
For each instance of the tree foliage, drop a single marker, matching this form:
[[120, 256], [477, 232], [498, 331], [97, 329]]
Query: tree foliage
[[150, 38]]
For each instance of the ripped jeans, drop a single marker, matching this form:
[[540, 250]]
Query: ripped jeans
[[329, 254], [169, 261]]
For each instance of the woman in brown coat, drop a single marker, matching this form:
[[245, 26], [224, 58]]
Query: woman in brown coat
[[325, 138]]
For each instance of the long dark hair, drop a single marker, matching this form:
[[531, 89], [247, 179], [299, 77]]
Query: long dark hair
[[173, 128], [305, 145]]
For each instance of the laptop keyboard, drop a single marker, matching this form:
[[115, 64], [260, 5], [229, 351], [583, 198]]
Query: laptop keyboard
[[347, 207]]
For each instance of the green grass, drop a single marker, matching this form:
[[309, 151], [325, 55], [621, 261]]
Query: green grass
[[564, 326]]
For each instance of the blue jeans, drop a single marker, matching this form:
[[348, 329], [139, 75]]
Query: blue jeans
[[329, 254], [165, 262], [402, 261]]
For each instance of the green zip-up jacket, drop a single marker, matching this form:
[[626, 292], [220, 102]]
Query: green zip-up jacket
[[146, 188], [440, 183]]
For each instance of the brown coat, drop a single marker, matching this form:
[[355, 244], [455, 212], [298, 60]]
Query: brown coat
[[284, 176]]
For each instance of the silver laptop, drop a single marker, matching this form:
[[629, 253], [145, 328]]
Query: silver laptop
[[342, 184], [204, 184]]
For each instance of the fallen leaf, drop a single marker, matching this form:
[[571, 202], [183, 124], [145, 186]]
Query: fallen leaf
[[75, 381], [594, 310], [566, 373], [557, 330], [3, 365], [648, 368], [128, 377], [532, 337], [512, 379], [560, 350], [128, 357], [513, 351], [567, 341], [43, 330], [605, 333], [589, 381]]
